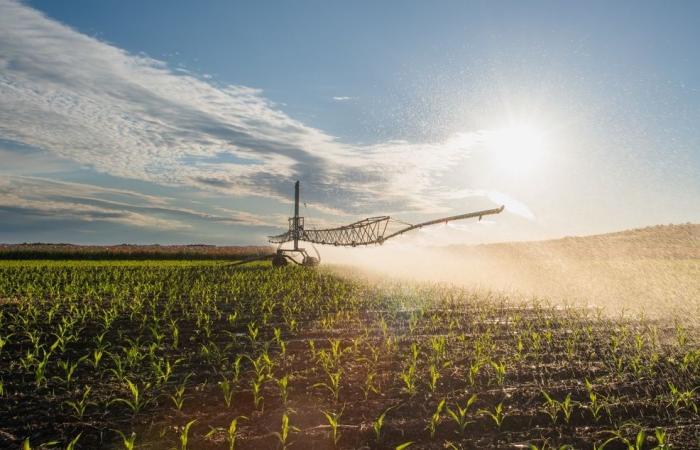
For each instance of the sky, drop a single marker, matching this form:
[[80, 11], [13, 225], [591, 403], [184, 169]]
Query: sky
[[188, 122]]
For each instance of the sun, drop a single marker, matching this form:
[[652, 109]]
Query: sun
[[518, 148]]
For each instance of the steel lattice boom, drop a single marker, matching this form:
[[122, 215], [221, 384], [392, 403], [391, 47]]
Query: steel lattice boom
[[364, 232]]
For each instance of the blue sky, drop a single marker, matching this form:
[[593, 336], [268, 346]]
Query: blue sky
[[180, 122]]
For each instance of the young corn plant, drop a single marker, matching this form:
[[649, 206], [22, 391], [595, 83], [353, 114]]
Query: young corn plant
[[408, 376], [594, 406], [567, 408], [637, 444], [236, 368], [184, 434], [178, 398], [253, 332], [96, 355], [137, 402], [662, 442], [369, 384], [4, 340], [498, 414], [434, 377], [682, 398], [174, 334], [519, 347], [119, 369], [130, 441], [547, 446], [333, 419], [256, 385], [227, 391], [552, 407], [474, 369], [81, 405], [164, 370], [231, 432], [40, 370], [69, 370], [378, 424], [333, 384], [73, 442], [282, 384], [285, 430], [435, 418], [460, 416], [499, 369]]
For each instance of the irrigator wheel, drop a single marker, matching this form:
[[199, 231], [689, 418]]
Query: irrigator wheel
[[279, 261], [310, 261]]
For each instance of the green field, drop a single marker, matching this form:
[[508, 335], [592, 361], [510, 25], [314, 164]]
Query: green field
[[184, 354]]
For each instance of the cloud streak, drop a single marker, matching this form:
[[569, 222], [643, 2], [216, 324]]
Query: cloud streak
[[38, 197]]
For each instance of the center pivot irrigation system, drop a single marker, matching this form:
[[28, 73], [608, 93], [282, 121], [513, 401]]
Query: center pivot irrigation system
[[371, 230]]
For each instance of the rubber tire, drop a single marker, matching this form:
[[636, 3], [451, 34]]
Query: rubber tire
[[310, 261], [279, 261]]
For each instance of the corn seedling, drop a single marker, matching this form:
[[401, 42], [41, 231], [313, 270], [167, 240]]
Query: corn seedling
[[333, 384], [594, 406], [257, 391], [80, 406], [662, 442], [184, 434], [227, 391], [500, 371], [435, 418], [137, 401], [285, 430], [73, 442], [378, 424], [682, 399], [333, 419], [408, 376], [637, 444], [460, 416], [178, 398], [369, 386], [434, 376], [498, 414], [130, 441], [282, 384]]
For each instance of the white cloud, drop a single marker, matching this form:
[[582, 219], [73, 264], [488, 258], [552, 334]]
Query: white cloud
[[341, 98], [132, 116]]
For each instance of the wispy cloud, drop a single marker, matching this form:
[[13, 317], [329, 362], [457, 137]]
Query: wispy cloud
[[341, 98], [131, 116], [39, 197]]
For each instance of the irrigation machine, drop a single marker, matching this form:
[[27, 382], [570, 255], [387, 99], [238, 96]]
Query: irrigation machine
[[369, 231]]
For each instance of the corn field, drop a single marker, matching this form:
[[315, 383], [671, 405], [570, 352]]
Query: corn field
[[199, 355]]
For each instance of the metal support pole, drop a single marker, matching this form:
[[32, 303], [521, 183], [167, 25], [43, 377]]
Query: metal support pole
[[296, 215]]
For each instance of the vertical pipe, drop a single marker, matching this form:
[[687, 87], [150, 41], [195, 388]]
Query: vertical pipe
[[296, 215]]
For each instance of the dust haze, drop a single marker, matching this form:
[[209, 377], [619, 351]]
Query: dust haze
[[653, 271]]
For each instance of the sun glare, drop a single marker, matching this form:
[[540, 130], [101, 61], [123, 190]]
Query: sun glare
[[518, 148]]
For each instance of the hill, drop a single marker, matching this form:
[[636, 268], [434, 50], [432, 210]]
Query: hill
[[655, 242]]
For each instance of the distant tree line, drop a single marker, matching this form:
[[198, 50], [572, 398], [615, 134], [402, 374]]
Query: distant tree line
[[127, 251]]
